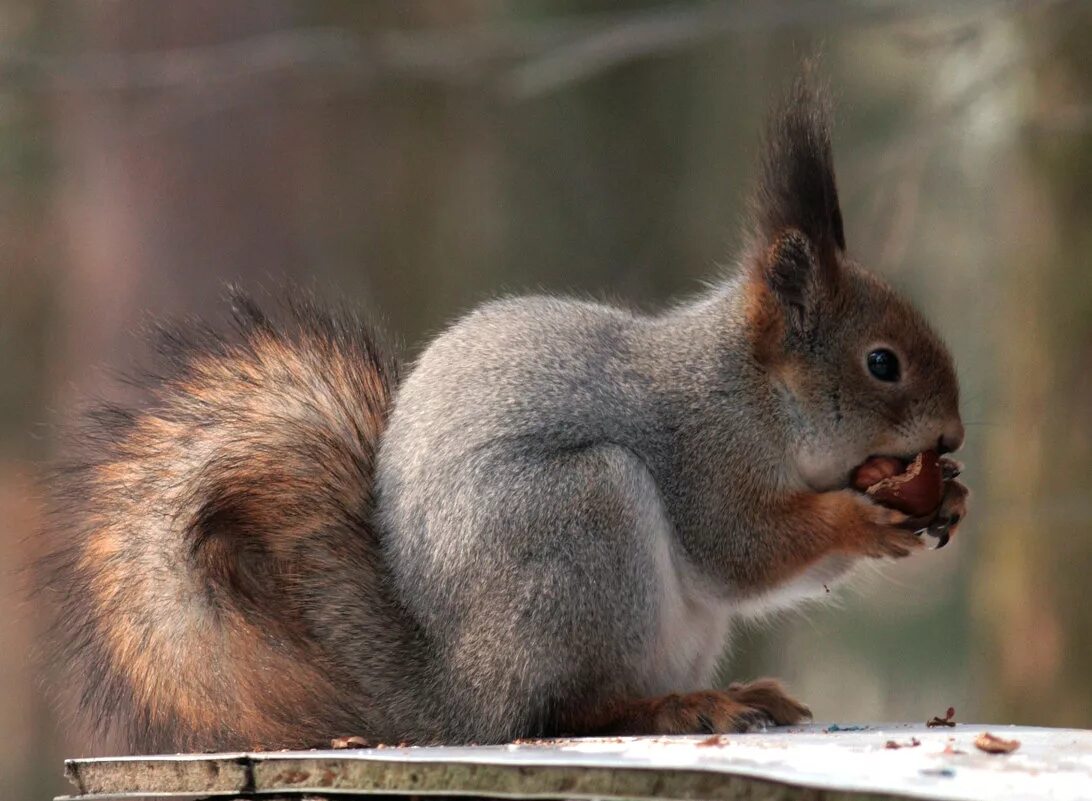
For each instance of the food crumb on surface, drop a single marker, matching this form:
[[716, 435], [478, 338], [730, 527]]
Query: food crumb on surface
[[951, 750], [947, 720], [714, 740], [992, 744], [351, 742]]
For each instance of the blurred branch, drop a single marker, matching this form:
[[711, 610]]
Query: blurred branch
[[675, 27], [898, 166], [914, 145], [525, 58], [191, 66]]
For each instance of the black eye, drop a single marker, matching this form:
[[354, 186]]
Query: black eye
[[884, 364]]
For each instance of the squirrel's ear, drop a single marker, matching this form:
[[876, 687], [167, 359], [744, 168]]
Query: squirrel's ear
[[791, 273], [796, 193], [784, 294]]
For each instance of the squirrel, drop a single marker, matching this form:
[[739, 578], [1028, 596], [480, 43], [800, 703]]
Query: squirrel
[[547, 526]]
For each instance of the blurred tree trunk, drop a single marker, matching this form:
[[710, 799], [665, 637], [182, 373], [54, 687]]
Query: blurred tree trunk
[[167, 191], [164, 193], [1032, 583]]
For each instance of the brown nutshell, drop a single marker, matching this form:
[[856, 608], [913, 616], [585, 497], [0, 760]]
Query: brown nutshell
[[992, 744], [948, 719], [916, 490]]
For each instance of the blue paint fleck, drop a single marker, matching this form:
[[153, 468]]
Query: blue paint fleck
[[946, 773]]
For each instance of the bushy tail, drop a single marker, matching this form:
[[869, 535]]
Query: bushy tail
[[218, 577]]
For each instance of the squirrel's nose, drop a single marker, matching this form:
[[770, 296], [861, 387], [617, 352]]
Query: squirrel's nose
[[951, 438]]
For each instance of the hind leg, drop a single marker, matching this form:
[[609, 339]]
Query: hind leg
[[739, 708]]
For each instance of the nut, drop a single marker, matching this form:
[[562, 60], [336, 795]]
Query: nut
[[916, 490]]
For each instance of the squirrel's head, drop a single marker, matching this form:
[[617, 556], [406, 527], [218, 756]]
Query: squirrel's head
[[859, 369]]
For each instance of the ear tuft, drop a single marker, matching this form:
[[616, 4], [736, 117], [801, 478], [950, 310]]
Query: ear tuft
[[797, 189]]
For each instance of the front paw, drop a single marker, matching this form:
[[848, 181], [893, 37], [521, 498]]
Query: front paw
[[952, 511], [881, 532]]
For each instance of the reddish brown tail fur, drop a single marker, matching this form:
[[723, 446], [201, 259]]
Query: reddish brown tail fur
[[250, 465]]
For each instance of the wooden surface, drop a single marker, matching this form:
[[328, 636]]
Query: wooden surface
[[818, 763]]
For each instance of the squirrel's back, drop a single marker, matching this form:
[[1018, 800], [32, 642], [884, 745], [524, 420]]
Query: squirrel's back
[[215, 567]]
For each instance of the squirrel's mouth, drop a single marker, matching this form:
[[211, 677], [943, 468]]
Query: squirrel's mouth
[[876, 468]]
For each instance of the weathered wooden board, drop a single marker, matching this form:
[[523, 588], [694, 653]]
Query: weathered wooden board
[[811, 762]]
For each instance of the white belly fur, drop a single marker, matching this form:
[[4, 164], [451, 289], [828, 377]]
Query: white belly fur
[[694, 622], [813, 584], [693, 625]]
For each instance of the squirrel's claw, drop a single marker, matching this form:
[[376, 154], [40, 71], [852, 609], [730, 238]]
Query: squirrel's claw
[[953, 508], [949, 468]]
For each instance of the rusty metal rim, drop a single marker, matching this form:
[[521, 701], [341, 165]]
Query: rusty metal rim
[[253, 775]]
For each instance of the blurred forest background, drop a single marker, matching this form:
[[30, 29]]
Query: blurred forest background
[[419, 157]]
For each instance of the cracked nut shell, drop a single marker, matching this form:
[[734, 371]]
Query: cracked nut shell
[[916, 490]]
